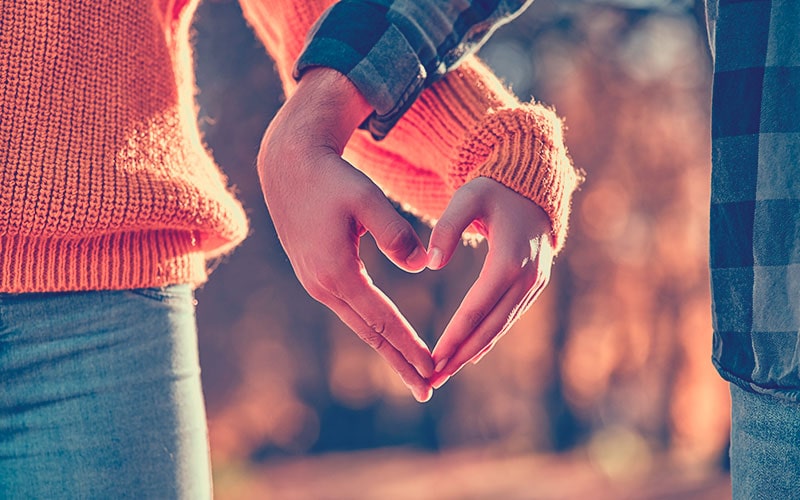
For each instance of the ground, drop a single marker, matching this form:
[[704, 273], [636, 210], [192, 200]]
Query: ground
[[462, 475]]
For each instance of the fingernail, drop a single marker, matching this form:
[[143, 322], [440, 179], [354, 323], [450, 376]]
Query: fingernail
[[435, 261], [440, 383], [426, 396], [422, 396], [427, 369], [441, 364], [416, 258]]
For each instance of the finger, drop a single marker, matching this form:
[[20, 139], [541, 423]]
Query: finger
[[503, 317], [418, 386], [350, 284], [381, 314], [511, 261], [491, 330], [446, 234], [482, 337], [492, 284], [526, 304], [393, 234]]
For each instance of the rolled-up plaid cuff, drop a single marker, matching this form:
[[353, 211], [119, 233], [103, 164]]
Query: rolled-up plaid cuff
[[373, 53]]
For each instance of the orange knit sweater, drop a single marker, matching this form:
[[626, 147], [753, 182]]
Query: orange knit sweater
[[104, 180]]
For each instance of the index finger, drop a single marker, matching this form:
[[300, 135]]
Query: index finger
[[351, 294], [410, 376], [492, 284], [384, 320]]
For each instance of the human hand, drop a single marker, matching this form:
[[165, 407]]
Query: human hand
[[321, 206], [516, 270]]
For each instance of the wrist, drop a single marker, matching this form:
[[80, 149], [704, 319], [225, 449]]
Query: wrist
[[316, 121], [326, 108], [530, 159]]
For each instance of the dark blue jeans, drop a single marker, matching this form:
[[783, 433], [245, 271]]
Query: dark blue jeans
[[100, 396]]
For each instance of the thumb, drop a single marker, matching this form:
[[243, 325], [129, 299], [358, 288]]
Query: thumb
[[460, 212], [394, 235]]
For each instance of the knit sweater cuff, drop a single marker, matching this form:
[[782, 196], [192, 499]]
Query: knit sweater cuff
[[471, 124], [523, 149]]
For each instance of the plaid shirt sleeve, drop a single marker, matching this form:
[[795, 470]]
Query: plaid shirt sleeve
[[393, 49], [755, 194]]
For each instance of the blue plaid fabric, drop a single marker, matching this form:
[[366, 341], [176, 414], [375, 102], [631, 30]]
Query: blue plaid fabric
[[755, 194], [399, 47]]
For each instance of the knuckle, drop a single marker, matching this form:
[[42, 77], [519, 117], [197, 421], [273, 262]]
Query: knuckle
[[510, 267], [312, 287], [373, 339], [446, 228], [474, 317], [398, 236], [378, 327], [361, 193], [328, 281], [470, 192], [315, 291]]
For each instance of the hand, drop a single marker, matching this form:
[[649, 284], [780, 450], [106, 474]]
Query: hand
[[321, 206], [516, 270]]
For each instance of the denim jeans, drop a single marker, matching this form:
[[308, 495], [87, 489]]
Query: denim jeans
[[100, 396], [765, 446]]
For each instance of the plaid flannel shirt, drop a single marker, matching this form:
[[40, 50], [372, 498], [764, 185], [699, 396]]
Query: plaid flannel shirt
[[755, 194], [399, 47]]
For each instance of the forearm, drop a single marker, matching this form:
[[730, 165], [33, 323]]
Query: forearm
[[323, 111]]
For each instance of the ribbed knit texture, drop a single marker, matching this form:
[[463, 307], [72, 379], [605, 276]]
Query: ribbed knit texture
[[104, 180], [465, 126]]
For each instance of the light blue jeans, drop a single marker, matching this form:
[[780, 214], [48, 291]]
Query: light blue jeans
[[100, 396], [765, 447]]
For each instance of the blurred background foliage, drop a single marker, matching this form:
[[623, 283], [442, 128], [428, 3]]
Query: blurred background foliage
[[610, 368]]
